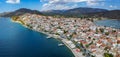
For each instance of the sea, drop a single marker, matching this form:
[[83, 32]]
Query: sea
[[18, 41], [114, 23]]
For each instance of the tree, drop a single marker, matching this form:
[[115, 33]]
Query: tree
[[97, 31], [92, 56], [15, 17], [101, 30], [108, 55], [106, 33], [87, 45]]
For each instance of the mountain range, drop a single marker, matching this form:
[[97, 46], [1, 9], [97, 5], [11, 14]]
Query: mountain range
[[113, 14], [19, 12], [86, 12], [81, 10], [76, 12]]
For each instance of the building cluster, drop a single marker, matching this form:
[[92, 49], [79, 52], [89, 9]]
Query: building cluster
[[96, 39]]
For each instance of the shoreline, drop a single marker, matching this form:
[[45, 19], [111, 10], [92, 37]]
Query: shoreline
[[80, 32], [73, 51]]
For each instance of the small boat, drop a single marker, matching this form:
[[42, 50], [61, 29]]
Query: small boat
[[49, 37], [60, 44]]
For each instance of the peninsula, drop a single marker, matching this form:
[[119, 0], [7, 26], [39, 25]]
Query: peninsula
[[80, 35]]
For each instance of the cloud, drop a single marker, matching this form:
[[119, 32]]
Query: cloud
[[62, 1], [74, 1], [112, 6], [57, 7], [64, 4], [95, 2], [13, 1]]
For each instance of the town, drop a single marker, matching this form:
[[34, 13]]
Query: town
[[82, 36]]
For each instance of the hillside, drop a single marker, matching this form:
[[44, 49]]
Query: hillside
[[113, 14], [85, 12], [19, 12], [76, 12]]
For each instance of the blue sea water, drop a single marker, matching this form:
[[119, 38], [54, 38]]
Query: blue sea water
[[18, 41], [109, 23]]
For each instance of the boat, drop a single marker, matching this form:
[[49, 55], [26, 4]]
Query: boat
[[60, 44], [49, 37]]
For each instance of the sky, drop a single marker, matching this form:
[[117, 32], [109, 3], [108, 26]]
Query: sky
[[43, 5]]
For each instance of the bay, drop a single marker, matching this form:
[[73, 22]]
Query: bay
[[109, 23], [18, 41]]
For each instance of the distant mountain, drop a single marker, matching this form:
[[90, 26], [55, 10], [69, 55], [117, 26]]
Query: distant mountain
[[113, 14], [75, 11], [84, 11], [19, 12], [53, 12]]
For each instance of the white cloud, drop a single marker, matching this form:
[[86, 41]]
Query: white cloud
[[91, 3], [63, 4], [95, 2], [75, 1], [13, 1], [57, 7], [64, 1], [112, 6]]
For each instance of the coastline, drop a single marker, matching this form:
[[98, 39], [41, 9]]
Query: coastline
[[82, 36], [72, 50]]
